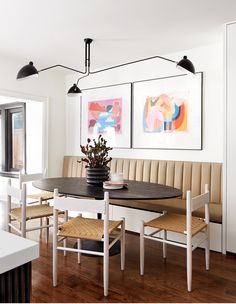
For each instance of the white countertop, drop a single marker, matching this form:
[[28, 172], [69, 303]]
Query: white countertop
[[16, 251]]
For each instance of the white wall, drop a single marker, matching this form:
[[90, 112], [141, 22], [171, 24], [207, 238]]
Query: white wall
[[34, 129], [230, 139], [49, 85], [207, 59]]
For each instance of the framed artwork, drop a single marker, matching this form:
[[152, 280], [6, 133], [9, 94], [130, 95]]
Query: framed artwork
[[107, 111], [167, 113]]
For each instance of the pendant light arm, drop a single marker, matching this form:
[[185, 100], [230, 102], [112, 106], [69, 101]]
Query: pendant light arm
[[82, 78], [135, 61], [62, 66], [87, 63], [88, 42]]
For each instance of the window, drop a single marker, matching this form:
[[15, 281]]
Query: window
[[12, 137]]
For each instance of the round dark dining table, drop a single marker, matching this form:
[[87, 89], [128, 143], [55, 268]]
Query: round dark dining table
[[78, 187]]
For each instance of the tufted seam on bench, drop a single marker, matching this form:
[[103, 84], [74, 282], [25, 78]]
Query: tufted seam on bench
[[180, 174]]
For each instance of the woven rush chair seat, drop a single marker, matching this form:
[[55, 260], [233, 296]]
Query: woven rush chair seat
[[44, 195], [86, 228], [33, 212], [176, 223]]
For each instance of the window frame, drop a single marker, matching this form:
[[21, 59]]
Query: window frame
[[6, 147]]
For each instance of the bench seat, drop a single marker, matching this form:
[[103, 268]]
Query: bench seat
[[175, 205]]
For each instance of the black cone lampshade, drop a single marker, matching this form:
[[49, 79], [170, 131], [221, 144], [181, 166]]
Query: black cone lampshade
[[27, 71], [74, 90], [186, 64]]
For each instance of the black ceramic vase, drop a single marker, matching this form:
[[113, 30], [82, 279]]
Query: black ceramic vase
[[96, 176]]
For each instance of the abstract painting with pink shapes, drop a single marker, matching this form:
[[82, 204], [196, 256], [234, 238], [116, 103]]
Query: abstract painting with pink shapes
[[165, 113], [104, 115]]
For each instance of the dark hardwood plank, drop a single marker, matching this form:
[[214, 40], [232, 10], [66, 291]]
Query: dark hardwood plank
[[164, 281]]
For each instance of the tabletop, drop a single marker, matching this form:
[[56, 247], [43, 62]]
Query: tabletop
[[136, 190]]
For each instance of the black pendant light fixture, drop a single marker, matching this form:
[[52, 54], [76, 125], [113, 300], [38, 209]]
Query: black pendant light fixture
[[74, 90], [29, 69], [186, 64]]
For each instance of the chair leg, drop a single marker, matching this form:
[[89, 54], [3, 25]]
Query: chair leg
[[41, 224], [8, 217], [207, 249], [106, 267], [54, 260], [122, 252], [164, 244], [64, 245], [142, 248], [47, 230], [8, 228], [23, 229], [65, 240], [79, 247], [189, 266], [41, 220]]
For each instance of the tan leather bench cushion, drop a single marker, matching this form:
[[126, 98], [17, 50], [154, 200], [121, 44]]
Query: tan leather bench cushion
[[179, 174]]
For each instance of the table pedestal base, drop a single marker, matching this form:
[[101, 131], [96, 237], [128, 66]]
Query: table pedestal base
[[98, 246]]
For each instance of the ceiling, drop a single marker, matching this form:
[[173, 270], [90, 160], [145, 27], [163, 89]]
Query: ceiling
[[49, 32]]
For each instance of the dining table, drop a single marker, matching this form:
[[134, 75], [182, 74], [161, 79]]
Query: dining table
[[135, 190]]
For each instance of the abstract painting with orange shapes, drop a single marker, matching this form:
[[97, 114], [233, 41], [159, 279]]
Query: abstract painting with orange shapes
[[104, 115], [165, 113]]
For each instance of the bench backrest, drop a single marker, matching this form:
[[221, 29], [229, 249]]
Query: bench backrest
[[179, 174]]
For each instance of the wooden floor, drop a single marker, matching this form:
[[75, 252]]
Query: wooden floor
[[164, 281]]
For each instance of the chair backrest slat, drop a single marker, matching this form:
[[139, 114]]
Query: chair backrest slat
[[200, 201], [82, 205], [16, 193], [30, 177], [25, 178]]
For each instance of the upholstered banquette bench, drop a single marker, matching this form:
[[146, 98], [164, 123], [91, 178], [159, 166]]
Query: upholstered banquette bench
[[179, 174]]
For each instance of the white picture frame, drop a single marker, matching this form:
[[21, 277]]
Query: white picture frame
[[107, 111], [155, 104]]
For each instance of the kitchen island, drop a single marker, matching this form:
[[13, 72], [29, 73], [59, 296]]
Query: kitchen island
[[16, 254]]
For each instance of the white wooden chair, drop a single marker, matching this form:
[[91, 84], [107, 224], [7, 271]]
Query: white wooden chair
[[188, 225], [24, 213], [40, 196], [87, 228]]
